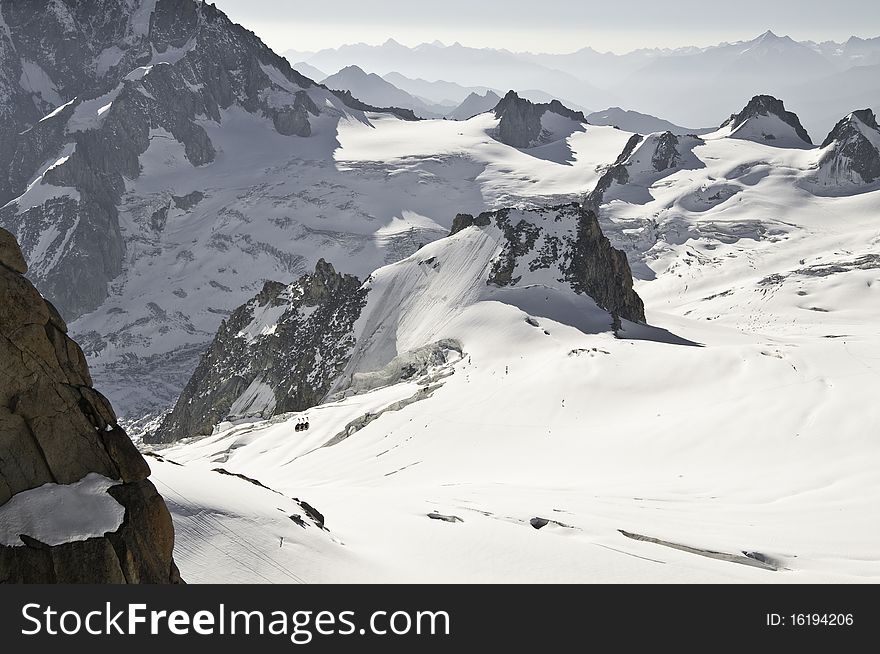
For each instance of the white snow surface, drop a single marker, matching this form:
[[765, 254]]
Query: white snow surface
[[61, 513], [361, 192], [742, 421]]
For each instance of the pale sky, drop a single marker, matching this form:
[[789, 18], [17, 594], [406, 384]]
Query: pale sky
[[549, 25]]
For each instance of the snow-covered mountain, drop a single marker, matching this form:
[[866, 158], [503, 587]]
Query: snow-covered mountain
[[765, 119], [292, 346], [526, 124], [730, 441], [851, 154], [378, 92], [639, 123], [169, 78], [475, 104]]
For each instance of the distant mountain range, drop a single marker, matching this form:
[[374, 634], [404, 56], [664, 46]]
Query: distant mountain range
[[689, 85], [633, 121], [372, 89]]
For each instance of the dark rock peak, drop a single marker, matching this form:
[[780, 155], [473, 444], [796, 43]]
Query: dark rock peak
[[587, 261], [845, 126], [666, 154], [852, 157], [520, 119], [512, 101], [279, 352], [56, 428], [767, 105]]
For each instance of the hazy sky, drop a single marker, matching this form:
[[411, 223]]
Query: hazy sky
[[549, 25]]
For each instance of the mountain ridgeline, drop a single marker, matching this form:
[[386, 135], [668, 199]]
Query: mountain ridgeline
[[292, 345], [86, 88], [279, 352]]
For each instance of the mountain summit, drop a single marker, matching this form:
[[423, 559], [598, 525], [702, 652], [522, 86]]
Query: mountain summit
[[765, 119], [851, 156], [526, 124]]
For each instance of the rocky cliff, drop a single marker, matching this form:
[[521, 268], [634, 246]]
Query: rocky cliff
[[643, 161], [766, 120], [521, 122], [279, 352], [583, 256], [851, 154], [76, 504]]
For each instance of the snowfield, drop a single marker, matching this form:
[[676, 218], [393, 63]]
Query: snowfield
[[362, 191], [736, 442]]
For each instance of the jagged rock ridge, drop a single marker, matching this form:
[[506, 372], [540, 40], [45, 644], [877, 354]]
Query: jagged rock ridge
[[584, 257], [645, 159], [853, 152], [279, 352], [520, 121], [752, 122], [56, 429]]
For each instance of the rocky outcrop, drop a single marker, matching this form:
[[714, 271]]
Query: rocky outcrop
[[279, 352], [666, 154], [56, 429], [585, 258], [644, 160], [520, 123], [852, 152], [751, 122]]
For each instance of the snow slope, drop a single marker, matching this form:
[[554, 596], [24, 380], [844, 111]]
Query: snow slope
[[743, 433], [360, 192]]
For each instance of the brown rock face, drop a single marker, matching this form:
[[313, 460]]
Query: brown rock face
[[55, 428]]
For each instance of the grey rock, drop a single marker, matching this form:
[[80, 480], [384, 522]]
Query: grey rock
[[587, 261], [354, 103], [520, 119], [288, 365], [852, 151], [443, 517], [188, 201]]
